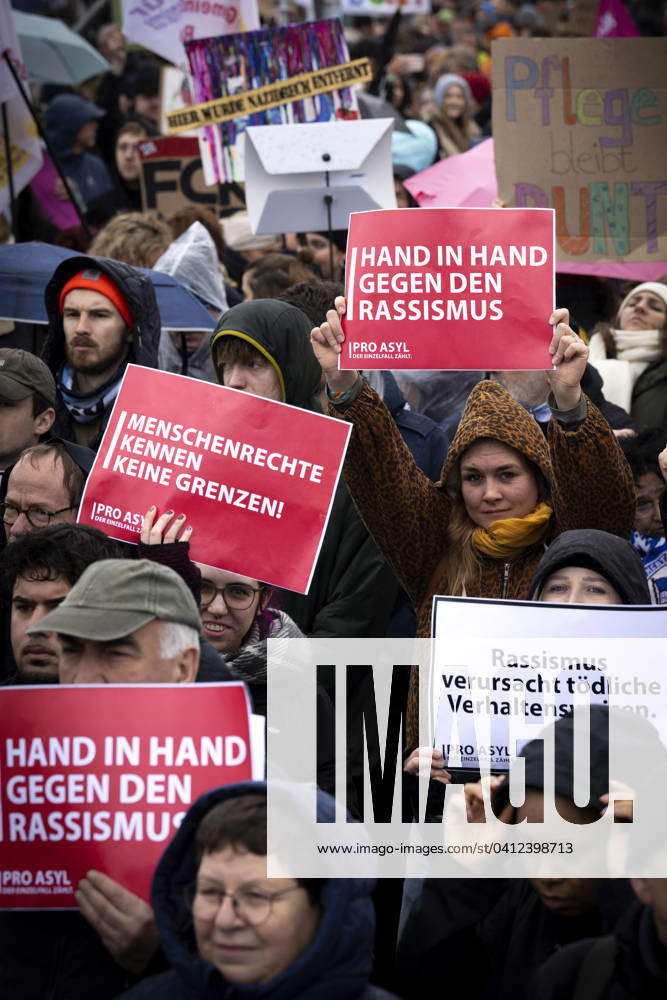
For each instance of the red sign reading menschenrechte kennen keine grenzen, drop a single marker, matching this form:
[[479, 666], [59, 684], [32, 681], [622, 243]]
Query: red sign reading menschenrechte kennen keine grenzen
[[449, 288], [255, 478]]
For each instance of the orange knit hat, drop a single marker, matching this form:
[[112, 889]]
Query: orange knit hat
[[97, 281]]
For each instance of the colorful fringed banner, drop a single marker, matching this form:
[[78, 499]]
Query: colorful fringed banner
[[235, 64]]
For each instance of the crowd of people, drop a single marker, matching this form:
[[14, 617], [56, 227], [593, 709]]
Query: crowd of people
[[519, 486]]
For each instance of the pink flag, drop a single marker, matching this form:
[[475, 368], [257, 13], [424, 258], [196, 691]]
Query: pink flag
[[614, 21]]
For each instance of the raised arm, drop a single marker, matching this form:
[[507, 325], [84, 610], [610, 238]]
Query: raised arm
[[404, 511], [593, 486]]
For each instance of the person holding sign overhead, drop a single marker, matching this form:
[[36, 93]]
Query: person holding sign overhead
[[505, 492]]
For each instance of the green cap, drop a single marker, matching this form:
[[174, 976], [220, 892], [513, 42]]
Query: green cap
[[115, 597], [22, 373]]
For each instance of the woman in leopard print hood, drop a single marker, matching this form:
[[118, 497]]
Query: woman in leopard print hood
[[505, 491]]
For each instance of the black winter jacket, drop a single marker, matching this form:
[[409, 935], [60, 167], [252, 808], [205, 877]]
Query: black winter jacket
[[635, 966], [649, 396], [353, 590], [335, 966], [56, 956], [498, 930], [138, 291]]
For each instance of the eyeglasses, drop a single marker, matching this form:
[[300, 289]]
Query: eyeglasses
[[250, 905], [37, 516], [237, 596]]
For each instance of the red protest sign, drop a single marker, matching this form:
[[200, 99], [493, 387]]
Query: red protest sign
[[101, 776], [449, 288], [254, 477]]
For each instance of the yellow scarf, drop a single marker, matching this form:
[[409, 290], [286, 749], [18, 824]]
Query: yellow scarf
[[506, 539]]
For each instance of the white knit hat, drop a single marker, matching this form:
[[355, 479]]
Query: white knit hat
[[657, 287]]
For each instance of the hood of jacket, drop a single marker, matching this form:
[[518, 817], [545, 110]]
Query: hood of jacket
[[193, 260], [139, 293], [491, 412], [335, 966], [280, 332], [613, 557], [65, 116]]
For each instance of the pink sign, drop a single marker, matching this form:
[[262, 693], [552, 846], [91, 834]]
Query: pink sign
[[614, 21], [467, 180], [100, 777], [449, 289], [615, 269], [255, 478]]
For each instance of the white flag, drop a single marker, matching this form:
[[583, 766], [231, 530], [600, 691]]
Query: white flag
[[164, 25], [26, 152]]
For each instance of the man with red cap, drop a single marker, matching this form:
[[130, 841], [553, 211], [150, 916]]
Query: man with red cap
[[102, 315]]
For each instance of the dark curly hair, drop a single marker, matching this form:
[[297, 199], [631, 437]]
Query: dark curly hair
[[60, 550]]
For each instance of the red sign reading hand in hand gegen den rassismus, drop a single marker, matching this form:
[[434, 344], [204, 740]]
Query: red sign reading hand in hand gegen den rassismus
[[99, 777], [449, 289], [255, 478]]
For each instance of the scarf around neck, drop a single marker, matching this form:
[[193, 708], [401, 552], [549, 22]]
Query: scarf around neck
[[84, 408], [248, 663], [507, 538], [641, 346]]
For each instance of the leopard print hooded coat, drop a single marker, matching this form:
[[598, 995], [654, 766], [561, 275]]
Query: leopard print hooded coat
[[589, 481]]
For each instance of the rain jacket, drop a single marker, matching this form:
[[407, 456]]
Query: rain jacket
[[649, 396], [192, 259], [65, 116], [336, 966], [353, 590], [613, 557], [138, 291], [589, 480]]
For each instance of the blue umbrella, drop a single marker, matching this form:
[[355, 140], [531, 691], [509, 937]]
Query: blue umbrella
[[25, 269]]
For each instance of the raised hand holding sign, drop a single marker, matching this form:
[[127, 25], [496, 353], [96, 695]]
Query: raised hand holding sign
[[570, 355]]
